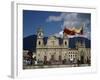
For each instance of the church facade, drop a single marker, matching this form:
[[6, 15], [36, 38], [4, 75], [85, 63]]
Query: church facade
[[56, 50]]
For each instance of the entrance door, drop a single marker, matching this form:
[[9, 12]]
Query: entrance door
[[60, 58], [82, 59], [45, 58], [52, 57]]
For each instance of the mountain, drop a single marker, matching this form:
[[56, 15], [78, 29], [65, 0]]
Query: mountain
[[72, 41], [29, 43]]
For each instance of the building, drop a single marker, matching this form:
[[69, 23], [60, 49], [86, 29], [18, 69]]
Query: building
[[56, 50]]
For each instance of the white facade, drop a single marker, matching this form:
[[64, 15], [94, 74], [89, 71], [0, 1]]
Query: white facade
[[53, 50]]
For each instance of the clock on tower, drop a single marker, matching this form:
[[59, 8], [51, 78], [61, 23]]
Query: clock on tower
[[40, 33]]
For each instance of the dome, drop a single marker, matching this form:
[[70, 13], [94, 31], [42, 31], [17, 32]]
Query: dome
[[40, 29], [52, 37]]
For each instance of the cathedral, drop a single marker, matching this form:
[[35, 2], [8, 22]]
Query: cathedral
[[56, 50]]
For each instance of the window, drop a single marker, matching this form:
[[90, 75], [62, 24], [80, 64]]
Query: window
[[65, 42], [39, 42]]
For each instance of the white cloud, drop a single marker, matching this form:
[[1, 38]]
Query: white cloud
[[59, 34], [54, 18], [71, 20]]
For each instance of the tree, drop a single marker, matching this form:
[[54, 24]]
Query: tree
[[30, 58]]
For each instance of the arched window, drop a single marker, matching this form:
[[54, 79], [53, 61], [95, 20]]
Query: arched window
[[65, 42], [39, 42]]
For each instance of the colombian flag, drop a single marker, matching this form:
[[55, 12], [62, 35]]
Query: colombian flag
[[73, 31]]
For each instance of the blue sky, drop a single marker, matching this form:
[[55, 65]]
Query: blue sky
[[53, 23]]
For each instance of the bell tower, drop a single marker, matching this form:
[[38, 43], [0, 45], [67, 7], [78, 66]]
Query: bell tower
[[40, 37], [65, 40]]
